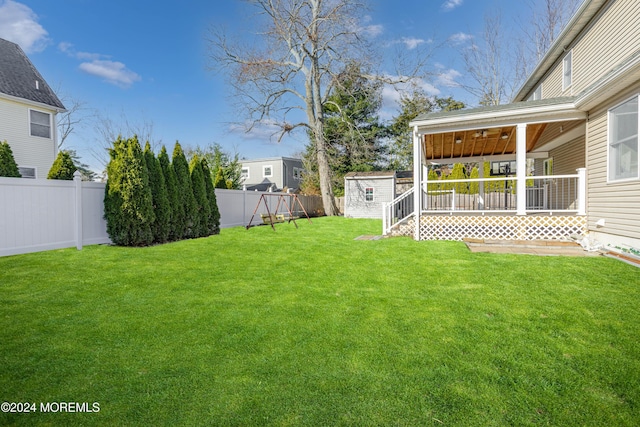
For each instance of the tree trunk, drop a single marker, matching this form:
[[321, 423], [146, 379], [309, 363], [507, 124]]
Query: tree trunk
[[328, 200]]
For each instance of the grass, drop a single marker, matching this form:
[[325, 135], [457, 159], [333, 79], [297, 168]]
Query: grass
[[309, 327]]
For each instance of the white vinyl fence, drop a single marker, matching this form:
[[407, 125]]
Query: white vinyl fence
[[39, 215]]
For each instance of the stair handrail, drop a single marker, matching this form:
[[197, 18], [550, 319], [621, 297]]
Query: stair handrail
[[389, 220]]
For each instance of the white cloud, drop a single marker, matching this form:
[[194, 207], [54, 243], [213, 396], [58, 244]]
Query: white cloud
[[372, 30], [69, 50], [112, 72], [459, 38], [448, 78], [451, 4], [19, 24], [412, 42]]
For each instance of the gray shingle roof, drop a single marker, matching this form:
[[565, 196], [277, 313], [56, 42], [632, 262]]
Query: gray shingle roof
[[495, 108], [18, 77]]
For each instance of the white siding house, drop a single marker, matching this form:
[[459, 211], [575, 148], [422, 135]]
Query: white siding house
[[28, 109], [273, 173]]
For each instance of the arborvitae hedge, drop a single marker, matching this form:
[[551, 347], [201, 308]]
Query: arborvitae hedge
[[191, 223], [213, 222], [176, 210], [128, 201], [162, 224], [62, 168], [203, 208], [8, 165]]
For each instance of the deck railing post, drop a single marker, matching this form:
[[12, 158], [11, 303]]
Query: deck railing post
[[582, 191]]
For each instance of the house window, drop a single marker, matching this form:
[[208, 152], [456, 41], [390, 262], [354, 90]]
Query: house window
[[536, 95], [27, 172], [40, 123], [244, 174], [297, 174], [566, 71], [623, 141], [548, 167], [368, 194], [267, 171]]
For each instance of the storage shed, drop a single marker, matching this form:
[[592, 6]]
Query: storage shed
[[366, 192]]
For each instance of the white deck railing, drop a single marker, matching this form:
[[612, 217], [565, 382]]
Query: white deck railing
[[397, 211], [553, 194], [556, 193]]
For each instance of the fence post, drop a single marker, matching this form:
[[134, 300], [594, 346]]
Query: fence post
[[582, 191], [77, 180]]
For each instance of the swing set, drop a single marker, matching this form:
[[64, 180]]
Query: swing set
[[270, 218]]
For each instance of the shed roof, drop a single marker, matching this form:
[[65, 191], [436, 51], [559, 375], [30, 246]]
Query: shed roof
[[372, 174], [20, 79]]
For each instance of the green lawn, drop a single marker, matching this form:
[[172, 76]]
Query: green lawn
[[309, 327]]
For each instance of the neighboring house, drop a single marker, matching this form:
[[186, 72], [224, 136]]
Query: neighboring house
[[274, 173], [576, 116], [365, 193], [28, 109]]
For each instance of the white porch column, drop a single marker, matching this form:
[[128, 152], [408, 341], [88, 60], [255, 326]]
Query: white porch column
[[582, 191], [521, 166], [417, 181], [481, 185]]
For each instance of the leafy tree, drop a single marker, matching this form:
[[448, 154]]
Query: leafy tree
[[62, 168], [87, 174], [191, 223], [159, 196], [203, 209], [353, 132], [226, 169], [176, 210], [474, 186], [8, 165], [219, 181], [459, 172], [412, 104], [128, 201], [213, 222]]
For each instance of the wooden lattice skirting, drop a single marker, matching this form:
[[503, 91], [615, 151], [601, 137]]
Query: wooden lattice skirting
[[498, 227]]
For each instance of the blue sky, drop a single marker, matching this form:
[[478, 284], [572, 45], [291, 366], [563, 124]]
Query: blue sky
[[146, 60]]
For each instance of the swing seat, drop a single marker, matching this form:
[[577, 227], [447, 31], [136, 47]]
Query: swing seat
[[269, 219]]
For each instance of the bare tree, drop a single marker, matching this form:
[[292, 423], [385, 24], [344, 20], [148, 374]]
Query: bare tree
[[108, 130], [547, 19], [488, 65], [498, 63], [305, 45]]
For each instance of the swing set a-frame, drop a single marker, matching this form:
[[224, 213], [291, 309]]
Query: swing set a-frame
[[274, 217]]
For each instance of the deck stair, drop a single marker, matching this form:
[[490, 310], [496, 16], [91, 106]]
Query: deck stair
[[532, 247]]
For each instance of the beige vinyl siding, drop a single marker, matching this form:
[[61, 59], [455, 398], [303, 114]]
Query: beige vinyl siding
[[618, 203], [552, 84], [555, 130], [28, 151], [613, 38], [568, 157]]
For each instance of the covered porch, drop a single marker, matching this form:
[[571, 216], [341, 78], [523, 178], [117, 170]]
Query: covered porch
[[516, 195]]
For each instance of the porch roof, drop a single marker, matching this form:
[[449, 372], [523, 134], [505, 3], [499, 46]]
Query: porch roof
[[489, 131]]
